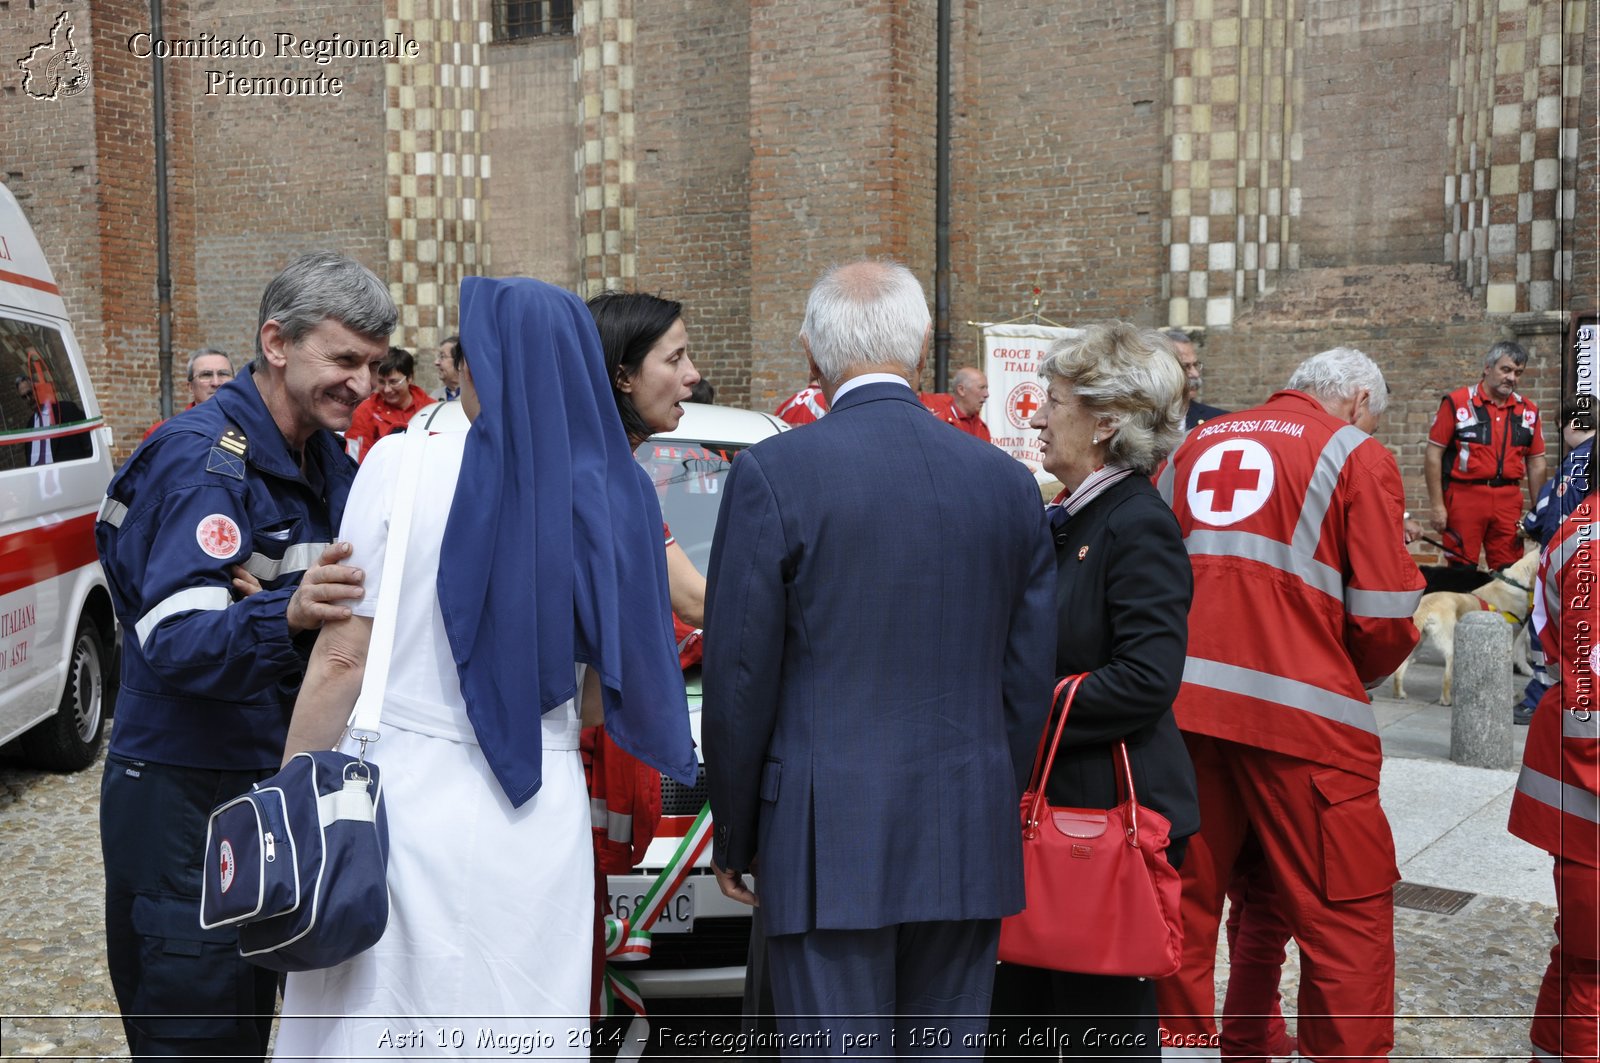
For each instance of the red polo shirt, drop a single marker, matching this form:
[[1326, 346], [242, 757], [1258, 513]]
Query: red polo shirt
[[943, 406]]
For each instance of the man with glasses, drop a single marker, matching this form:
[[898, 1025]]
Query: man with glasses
[[1195, 412], [209, 369]]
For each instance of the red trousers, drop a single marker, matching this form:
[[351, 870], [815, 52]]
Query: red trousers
[[1253, 1029], [1567, 1012], [1326, 844], [1486, 518]]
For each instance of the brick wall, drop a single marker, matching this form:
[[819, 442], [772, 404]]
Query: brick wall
[[1415, 321], [838, 169], [1377, 106], [692, 144], [49, 163], [282, 175], [1582, 294], [1063, 151], [532, 135]]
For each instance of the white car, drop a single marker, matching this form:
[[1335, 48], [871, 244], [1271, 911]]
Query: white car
[[701, 937]]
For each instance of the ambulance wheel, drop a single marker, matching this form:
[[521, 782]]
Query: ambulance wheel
[[69, 740]]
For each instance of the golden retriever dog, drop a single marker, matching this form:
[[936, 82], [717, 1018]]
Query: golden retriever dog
[[1438, 613]]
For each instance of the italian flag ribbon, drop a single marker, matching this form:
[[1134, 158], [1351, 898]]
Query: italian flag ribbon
[[628, 940]]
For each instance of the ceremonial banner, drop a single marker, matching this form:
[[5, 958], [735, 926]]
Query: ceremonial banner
[[1011, 357]]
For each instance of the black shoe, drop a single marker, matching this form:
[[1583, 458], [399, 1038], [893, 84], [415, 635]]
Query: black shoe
[[1522, 714]]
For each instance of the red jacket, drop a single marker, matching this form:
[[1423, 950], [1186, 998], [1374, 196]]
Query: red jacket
[[375, 419], [1557, 803], [1496, 440], [1303, 589], [158, 424], [943, 406], [804, 406]]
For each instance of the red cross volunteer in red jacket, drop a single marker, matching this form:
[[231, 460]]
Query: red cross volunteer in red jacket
[[962, 407], [1292, 514], [1557, 802], [805, 406], [1484, 438], [390, 407]]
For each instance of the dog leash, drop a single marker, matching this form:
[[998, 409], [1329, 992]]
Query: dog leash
[[1491, 573]]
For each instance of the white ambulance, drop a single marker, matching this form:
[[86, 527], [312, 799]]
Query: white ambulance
[[57, 628]]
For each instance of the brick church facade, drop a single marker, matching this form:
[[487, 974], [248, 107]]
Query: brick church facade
[[1416, 178]]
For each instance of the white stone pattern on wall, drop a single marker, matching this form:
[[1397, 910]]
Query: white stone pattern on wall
[[1232, 146], [605, 159], [1517, 74], [437, 163]]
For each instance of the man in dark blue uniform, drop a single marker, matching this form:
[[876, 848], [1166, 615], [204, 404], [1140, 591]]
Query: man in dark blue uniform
[[243, 492]]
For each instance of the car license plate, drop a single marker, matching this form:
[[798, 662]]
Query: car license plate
[[677, 915]]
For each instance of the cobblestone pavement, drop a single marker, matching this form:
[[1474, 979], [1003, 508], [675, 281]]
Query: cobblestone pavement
[[1465, 981]]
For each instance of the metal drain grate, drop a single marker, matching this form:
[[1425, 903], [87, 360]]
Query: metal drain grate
[[1430, 898]]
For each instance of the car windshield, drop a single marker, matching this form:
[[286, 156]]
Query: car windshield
[[688, 476]]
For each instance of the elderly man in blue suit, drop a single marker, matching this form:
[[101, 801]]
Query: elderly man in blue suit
[[868, 729]]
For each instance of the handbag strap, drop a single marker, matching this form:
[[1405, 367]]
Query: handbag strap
[[1043, 761], [364, 718]]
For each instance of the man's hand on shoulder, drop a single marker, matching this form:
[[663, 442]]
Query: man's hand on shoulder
[[733, 885], [325, 591]]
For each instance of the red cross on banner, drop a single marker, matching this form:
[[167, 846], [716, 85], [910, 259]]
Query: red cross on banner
[[1025, 405]]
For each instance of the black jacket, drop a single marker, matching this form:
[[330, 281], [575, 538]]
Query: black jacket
[[1123, 587], [1198, 414]]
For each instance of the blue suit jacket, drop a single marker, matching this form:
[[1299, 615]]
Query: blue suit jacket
[[880, 638]]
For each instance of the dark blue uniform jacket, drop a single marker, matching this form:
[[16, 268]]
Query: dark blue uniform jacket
[[209, 679]]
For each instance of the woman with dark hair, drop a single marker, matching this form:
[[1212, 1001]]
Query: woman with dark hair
[[395, 399], [555, 585], [647, 359]]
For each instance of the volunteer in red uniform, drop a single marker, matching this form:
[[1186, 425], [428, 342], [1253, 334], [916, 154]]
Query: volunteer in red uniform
[[1557, 802], [388, 409], [1483, 440], [209, 369], [969, 390], [804, 406], [1292, 514]]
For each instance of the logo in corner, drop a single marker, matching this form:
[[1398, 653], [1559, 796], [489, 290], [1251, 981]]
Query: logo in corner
[[55, 69], [225, 862]]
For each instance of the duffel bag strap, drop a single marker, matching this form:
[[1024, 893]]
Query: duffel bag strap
[[364, 718]]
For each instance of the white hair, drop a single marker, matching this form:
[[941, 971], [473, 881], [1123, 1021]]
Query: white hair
[[865, 313], [1340, 374], [1131, 374]]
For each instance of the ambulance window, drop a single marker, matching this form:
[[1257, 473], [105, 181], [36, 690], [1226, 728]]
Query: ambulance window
[[38, 393]]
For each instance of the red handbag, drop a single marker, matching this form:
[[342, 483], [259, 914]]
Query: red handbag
[[1101, 897]]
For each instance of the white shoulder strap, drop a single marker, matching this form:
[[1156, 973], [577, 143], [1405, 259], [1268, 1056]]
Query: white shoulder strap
[[364, 718]]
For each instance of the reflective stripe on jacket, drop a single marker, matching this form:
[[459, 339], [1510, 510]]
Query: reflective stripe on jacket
[[1557, 801], [1304, 590]]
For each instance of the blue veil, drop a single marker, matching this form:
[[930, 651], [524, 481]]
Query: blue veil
[[555, 537]]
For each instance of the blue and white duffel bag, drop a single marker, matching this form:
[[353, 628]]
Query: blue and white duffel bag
[[300, 864]]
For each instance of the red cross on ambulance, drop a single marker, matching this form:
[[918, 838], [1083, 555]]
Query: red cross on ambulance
[[1230, 481]]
